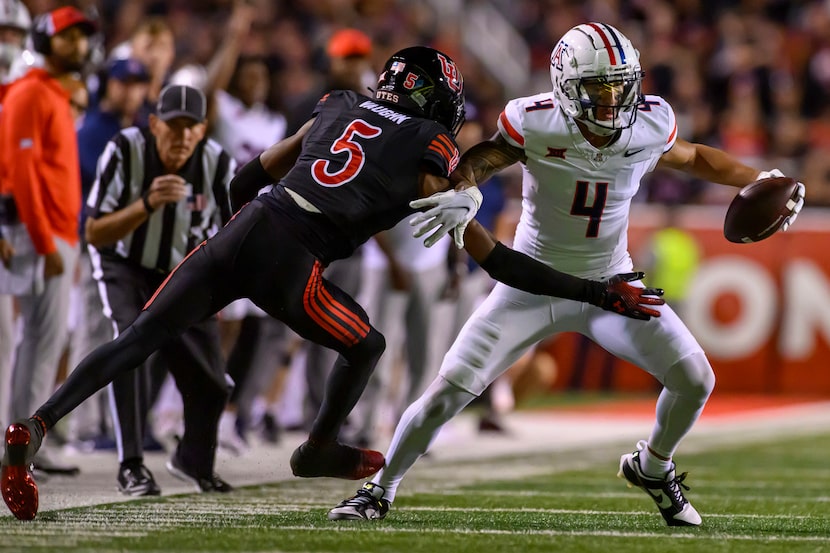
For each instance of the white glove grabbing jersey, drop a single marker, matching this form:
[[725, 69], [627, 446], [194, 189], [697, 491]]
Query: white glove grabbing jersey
[[449, 211]]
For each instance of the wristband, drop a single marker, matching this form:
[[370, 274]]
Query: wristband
[[145, 199]]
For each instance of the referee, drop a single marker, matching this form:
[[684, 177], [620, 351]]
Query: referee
[[158, 193]]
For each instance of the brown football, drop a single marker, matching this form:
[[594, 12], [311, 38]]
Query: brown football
[[759, 209]]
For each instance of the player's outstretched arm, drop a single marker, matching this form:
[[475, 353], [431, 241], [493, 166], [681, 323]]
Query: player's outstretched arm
[[484, 160], [452, 210], [714, 165], [525, 273], [708, 163], [268, 167]]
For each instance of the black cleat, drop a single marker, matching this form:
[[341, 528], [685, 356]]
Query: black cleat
[[136, 480], [666, 492], [336, 460], [366, 504], [18, 487], [211, 483]]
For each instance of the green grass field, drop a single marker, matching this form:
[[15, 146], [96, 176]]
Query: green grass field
[[760, 498]]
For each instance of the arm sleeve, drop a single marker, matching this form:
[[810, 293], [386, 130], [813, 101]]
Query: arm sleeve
[[248, 182], [525, 273]]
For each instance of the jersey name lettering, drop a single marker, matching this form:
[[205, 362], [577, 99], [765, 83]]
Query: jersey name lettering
[[385, 112]]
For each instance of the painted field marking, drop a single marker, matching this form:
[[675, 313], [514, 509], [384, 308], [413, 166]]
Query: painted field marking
[[720, 536]]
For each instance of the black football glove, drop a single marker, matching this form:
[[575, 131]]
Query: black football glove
[[620, 297]]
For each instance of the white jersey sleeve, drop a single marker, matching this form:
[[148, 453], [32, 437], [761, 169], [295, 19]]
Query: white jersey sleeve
[[657, 116], [511, 124], [671, 124]]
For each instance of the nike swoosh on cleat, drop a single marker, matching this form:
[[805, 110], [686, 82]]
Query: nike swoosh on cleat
[[660, 498], [629, 153]]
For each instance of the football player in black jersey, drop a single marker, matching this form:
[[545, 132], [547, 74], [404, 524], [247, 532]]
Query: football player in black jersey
[[356, 168]]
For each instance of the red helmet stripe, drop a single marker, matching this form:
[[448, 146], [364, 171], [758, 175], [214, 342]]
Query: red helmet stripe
[[605, 41]]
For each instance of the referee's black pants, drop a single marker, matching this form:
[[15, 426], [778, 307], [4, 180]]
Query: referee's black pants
[[254, 256], [193, 358]]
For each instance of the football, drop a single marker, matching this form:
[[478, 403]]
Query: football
[[759, 209]]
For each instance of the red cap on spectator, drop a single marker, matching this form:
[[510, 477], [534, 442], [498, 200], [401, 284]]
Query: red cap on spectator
[[62, 18], [349, 42]]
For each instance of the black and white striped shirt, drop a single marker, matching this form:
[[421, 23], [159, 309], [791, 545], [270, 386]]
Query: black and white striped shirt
[[126, 170]]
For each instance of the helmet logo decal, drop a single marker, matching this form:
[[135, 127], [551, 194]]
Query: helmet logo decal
[[397, 66], [556, 58], [450, 71]]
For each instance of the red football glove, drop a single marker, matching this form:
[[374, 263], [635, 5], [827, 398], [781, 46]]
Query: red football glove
[[620, 297]]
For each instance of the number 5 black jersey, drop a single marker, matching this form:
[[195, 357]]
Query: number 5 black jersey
[[359, 168]]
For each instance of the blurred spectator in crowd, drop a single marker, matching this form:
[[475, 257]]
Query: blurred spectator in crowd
[[15, 23], [348, 67], [41, 173], [243, 119], [123, 87], [160, 191], [152, 43], [14, 28]]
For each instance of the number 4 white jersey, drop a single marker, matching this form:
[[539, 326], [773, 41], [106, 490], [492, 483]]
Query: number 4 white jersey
[[576, 198]]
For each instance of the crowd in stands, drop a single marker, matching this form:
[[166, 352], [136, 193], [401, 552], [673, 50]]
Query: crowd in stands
[[752, 77]]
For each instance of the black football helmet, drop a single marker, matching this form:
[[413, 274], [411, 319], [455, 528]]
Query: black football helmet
[[426, 82]]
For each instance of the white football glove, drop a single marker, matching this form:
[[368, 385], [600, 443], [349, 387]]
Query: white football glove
[[794, 205], [769, 174], [450, 211]]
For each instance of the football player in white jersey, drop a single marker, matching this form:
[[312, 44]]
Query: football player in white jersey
[[584, 147]]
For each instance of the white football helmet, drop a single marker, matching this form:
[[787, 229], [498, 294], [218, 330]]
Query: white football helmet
[[13, 15], [596, 76]]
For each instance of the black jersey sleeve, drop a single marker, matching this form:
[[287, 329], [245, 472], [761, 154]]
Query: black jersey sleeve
[[442, 154]]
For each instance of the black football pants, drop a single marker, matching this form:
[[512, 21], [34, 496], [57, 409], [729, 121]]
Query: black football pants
[[255, 256]]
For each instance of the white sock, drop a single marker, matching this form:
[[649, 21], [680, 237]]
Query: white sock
[[653, 465]]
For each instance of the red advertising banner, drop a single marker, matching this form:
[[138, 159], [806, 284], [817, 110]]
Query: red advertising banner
[[760, 311]]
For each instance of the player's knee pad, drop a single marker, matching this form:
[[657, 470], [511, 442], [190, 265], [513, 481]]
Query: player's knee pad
[[692, 376]]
